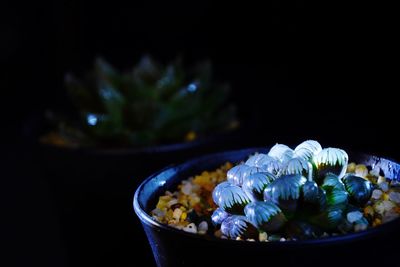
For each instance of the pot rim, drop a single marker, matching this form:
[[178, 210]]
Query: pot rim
[[145, 218]]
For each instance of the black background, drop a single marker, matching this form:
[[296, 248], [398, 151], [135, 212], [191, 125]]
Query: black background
[[297, 72]]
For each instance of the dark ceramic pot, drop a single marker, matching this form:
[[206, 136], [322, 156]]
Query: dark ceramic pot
[[92, 190], [172, 247]]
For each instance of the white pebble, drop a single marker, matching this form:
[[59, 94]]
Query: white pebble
[[187, 188], [158, 213], [361, 170], [360, 227], [190, 228], [388, 205], [381, 179], [203, 228], [172, 202], [395, 197], [282, 239], [354, 216], [384, 186], [375, 171], [177, 214], [389, 216], [376, 194], [263, 236]]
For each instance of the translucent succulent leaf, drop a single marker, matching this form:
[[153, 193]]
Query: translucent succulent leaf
[[272, 166], [304, 153], [233, 199], [265, 215], [331, 160], [314, 197], [308, 149], [337, 198], [238, 226], [359, 189], [284, 188], [236, 174], [335, 191], [332, 181], [329, 219], [281, 152], [259, 160], [255, 184], [217, 191], [296, 166], [218, 216], [302, 230]]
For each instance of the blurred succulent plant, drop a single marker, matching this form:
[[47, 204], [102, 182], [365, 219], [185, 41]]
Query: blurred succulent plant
[[150, 104], [305, 193]]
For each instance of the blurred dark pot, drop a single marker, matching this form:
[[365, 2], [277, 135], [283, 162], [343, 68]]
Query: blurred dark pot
[[172, 247], [93, 189]]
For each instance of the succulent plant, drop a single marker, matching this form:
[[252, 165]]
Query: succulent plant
[[285, 191], [265, 216], [313, 198], [237, 174], [306, 192], [233, 199], [360, 189], [148, 105], [308, 149], [255, 184], [218, 216], [281, 152], [238, 226], [296, 166], [330, 160]]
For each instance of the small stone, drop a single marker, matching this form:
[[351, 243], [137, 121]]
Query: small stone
[[190, 228], [394, 183], [375, 171], [282, 239], [354, 216], [390, 216], [395, 197], [360, 227], [177, 214], [361, 170], [263, 237], [384, 186], [203, 228], [251, 240], [376, 194], [172, 202], [351, 167], [381, 179], [218, 234], [158, 213], [187, 188], [383, 206], [369, 211]]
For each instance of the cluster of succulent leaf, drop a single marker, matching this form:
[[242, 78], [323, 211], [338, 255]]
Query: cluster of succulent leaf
[[149, 104], [298, 193]]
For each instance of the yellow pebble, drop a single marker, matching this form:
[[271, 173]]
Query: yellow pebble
[[351, 167], [381, 179], [361, 170], [369, 211], [183, 216], [385, 196], [376, 222], [190, 136]]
